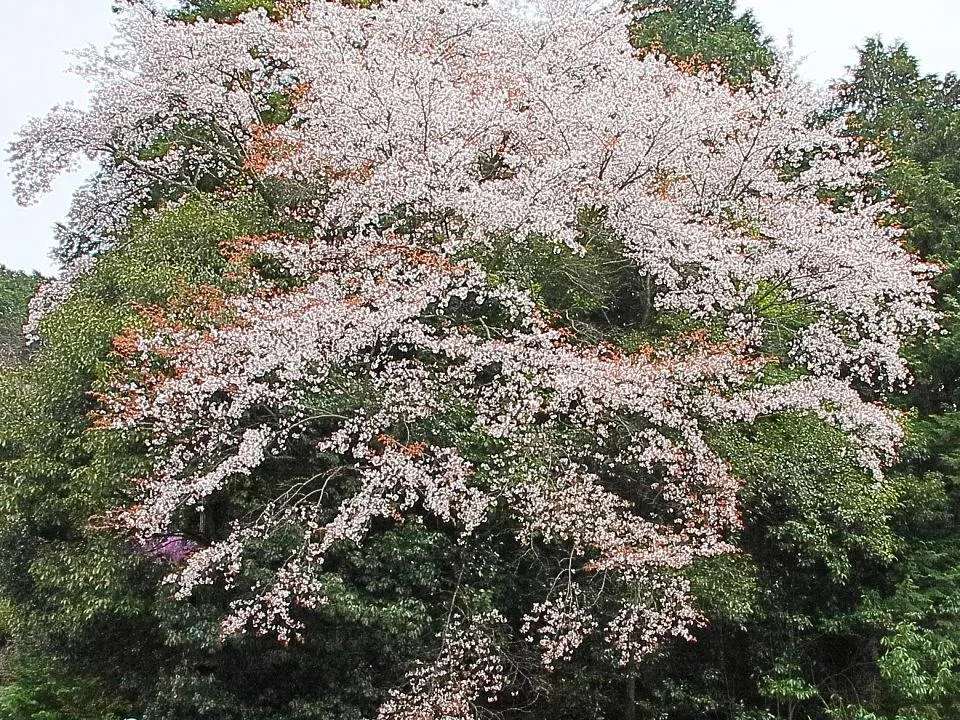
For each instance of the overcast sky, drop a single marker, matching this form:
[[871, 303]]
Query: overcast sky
[[35, 37]]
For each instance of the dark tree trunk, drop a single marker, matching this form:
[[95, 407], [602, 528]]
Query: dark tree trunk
[[630, 698]]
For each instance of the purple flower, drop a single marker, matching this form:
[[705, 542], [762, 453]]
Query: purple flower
[[168, 548]]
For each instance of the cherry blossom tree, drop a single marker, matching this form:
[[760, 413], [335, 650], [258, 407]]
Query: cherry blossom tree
[[382, 339]]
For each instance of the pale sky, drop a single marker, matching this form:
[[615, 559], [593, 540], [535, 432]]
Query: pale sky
[[36, 35]]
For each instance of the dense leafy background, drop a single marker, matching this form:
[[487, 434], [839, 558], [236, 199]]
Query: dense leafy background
[[844, 602]]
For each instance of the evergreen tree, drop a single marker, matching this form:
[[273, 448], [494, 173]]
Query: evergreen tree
[[916, 119], [705, 33]]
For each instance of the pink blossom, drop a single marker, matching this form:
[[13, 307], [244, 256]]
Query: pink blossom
[[397, 107]]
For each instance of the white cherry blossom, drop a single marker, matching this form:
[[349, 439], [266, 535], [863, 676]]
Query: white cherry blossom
[[488, 123]]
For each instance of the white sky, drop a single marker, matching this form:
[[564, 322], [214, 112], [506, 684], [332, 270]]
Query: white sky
[[35, 36], [826, 32]]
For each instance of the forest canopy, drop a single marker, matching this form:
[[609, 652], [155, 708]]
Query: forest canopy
[[451, 360]]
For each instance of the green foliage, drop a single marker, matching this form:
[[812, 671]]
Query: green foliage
[[16, 289], [597, 295], [705, 33], [783, 637], [220, 10], [805, 500], [230, 10], [43, 693], [85, 624], [914, 611]]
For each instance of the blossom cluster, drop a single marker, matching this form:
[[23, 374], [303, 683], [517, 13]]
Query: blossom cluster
[[393, 352], [52, 294], [431, 336], [468, 668]]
